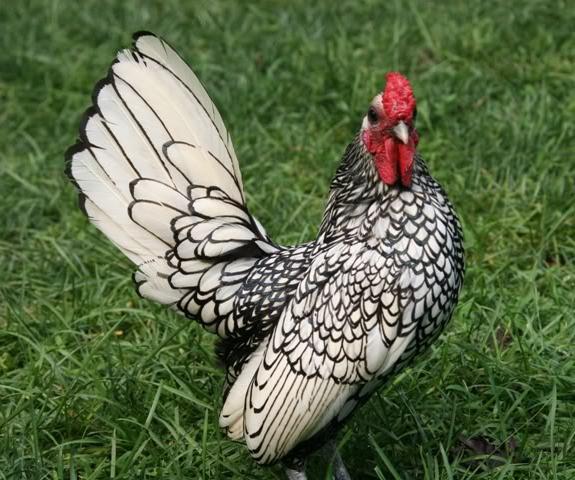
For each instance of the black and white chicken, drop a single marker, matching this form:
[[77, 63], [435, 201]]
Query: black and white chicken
[[306, 332]]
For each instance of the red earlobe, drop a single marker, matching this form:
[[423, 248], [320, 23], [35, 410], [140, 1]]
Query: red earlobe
[[366, 137]]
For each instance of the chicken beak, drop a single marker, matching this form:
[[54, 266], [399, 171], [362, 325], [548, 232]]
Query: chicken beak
[[401, 132]]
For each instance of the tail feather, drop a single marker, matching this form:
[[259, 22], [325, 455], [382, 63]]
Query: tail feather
[[158, 51], [158, 175], [194, 162]]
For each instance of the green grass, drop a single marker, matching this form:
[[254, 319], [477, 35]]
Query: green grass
[[96, 383]]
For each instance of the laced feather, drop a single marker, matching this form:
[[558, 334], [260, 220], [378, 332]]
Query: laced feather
[[158, 175]]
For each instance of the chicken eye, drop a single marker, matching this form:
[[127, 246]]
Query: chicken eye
[[372, 115]]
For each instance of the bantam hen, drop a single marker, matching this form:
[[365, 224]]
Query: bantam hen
[[306, 332]]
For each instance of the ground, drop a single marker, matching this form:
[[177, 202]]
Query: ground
[[96, 383]]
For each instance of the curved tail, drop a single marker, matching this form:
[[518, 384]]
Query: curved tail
[[158, 175]]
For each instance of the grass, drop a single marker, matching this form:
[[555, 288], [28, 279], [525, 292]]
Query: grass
[[96, 383]]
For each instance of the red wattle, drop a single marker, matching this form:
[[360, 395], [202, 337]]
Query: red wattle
[[406, 155], [393, 159], [386, 162]]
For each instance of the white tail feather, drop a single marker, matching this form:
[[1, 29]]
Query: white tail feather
[[158, 175]]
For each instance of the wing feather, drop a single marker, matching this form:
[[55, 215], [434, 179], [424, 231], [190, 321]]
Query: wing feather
[[321, 353]]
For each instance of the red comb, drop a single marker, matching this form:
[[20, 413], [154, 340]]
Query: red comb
[[398, 100]]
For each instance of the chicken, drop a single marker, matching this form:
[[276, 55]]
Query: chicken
[[306, 332]]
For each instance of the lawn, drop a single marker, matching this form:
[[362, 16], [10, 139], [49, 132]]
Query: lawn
[[96, 383]]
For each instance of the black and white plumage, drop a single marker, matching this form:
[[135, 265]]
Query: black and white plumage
[[307, 332]]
